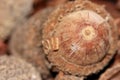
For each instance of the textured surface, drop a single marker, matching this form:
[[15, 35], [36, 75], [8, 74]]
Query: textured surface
[[12, 68], [12, 14], [26, 41], [88, 25], [62, 76], [113, 72]]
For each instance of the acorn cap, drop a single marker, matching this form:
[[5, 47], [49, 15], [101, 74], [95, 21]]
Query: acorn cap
[[80, 38]]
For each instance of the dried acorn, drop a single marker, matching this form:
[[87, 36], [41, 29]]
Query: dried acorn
[[12, 14], [79, 38], [26, 42], [14, 68]]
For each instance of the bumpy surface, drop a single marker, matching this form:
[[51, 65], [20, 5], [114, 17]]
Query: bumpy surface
[[80, 38], [12, 14], [26, 41], [62, 76], [12, 68], [112, 73]]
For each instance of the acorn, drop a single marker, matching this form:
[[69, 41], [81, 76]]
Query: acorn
[[14, 68], [79, 38], [12, 14], [26, 43]]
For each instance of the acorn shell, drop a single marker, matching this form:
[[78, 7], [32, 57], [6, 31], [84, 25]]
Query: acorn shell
[[80, 38], [26, 42]]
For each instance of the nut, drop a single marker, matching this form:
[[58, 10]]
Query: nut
[[12, 14], [26, 42], [14, 68], [86, 38]]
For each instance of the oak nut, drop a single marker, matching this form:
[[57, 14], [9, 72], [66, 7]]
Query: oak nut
[[12, 14], [79, 38], [25, 42]]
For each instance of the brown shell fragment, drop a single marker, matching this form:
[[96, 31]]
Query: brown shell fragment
[[26, 42], [86, 38]]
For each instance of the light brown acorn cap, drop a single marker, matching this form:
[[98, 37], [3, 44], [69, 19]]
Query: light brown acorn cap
[[14, 68], [80, 38], [26, 42]]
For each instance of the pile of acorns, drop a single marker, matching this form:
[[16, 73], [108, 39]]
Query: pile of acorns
[[58, 40]]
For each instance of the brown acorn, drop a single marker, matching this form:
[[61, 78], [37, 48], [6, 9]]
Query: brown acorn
[[12, 14], [14, 68], [79, 38], [26, 42]]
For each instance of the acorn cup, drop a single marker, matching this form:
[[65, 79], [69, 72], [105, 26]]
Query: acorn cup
[[26, 42], [79, 38]]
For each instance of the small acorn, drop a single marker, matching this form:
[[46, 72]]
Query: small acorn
[[14, 68], [26, 43], [79, 38], [12, 14]]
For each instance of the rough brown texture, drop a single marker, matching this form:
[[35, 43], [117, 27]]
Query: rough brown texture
[[12, 14], [117, 22], [14, 68], [80, 38], [55, 2], [62, 76], [112, 73], [26, 42]]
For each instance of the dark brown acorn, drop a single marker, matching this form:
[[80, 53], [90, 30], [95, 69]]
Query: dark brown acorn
[[80, 38]]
